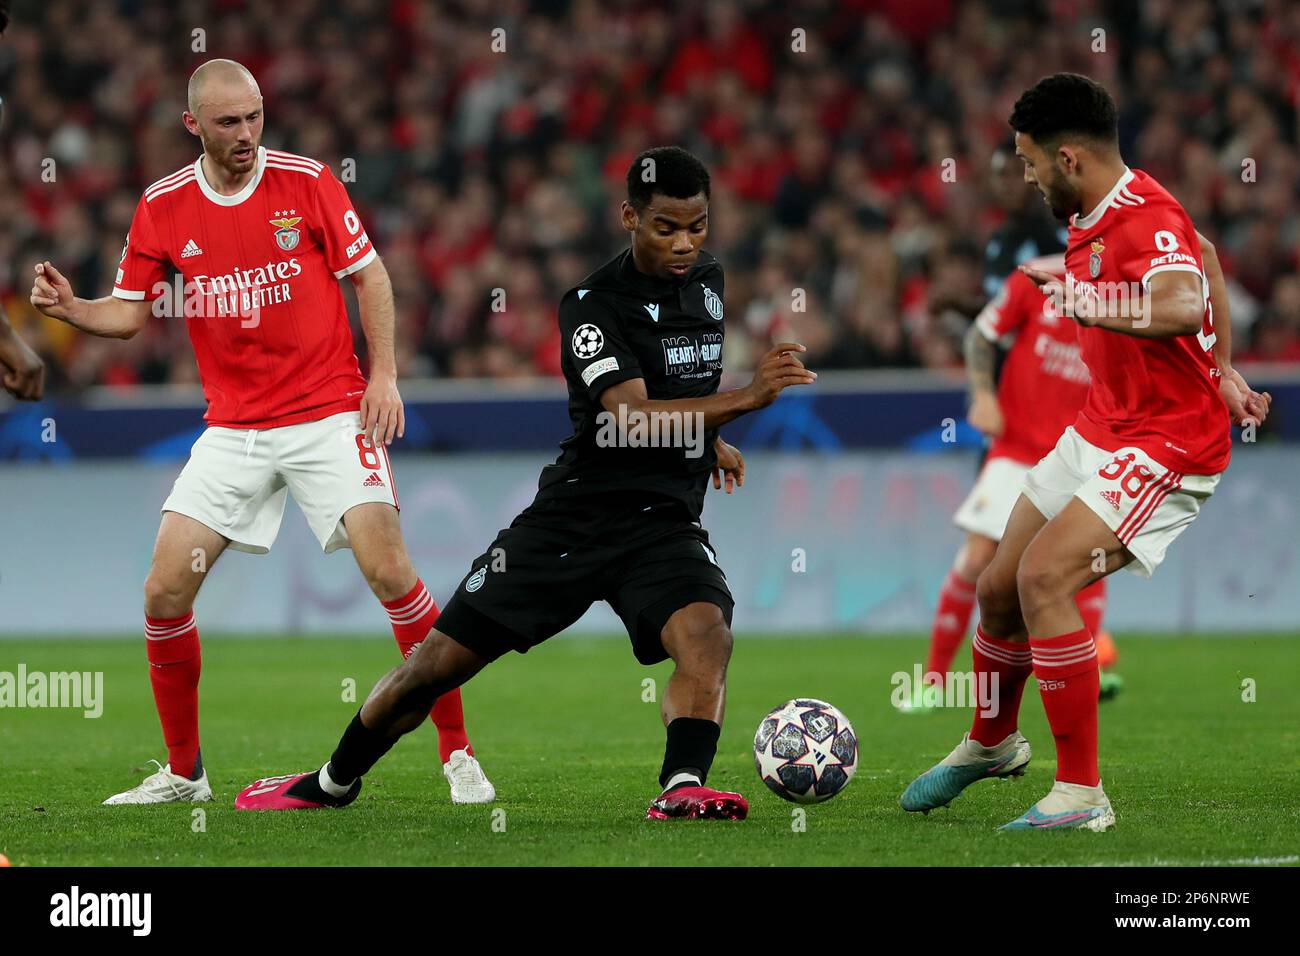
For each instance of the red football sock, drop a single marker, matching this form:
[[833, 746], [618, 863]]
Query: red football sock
[[412, 616], [951, 618], [172, 645], [1066, 668], [1091, 602], [1011, 663]]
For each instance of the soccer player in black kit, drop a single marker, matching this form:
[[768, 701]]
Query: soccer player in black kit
[[616, 517]]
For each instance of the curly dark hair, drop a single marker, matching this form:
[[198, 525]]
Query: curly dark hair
[[1064, 105], [677, 173]]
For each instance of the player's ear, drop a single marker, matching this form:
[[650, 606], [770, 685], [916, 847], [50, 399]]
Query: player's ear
[[191, 122], [630, 218]]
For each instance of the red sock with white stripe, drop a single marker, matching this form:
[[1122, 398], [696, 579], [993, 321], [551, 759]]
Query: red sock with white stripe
[[172, 645], [951, 618], [1091, 602], [1066, 668], [412, 616], [1011, 663]]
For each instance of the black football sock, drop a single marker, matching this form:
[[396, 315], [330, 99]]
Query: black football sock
[[692, 744], [359, 749]]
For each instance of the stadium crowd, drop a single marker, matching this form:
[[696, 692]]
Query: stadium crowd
[[852, 196]]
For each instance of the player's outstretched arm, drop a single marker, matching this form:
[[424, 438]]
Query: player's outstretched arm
[[1245, 405], [1173, 304], [109, 317], [21, 369], [778, 370]]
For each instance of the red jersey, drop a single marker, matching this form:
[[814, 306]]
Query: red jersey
[[1160, 395], [1044, 382], [261, 294]]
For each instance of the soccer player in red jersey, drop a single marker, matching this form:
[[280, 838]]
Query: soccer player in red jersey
[[1041, 388], [1146, 451], [262, 239]]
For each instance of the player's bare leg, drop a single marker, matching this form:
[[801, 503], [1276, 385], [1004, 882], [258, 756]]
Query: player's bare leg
[[375, 533], [699, 641], [951, 617], [397, 704], [184, 552], [1074, 549], [994, 746]]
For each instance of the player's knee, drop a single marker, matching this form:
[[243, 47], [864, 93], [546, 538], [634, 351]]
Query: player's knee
[[390, 576], [976, 555], [165, 598], [701, 640], [1039, 582], [997, 597]]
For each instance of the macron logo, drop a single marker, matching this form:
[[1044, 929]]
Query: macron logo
[[191, 249], [133, 910], [653, 310]]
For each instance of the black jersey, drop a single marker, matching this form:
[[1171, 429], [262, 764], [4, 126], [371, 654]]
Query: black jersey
[[619, 324]]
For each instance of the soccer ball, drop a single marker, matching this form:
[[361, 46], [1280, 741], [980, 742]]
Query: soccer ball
[[806, 751]]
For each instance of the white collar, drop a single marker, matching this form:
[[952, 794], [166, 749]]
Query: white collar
[[235, 198], [1090, 220]]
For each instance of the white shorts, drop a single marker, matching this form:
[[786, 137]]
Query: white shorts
[[236, 480], [1144, 503], [988, 506]]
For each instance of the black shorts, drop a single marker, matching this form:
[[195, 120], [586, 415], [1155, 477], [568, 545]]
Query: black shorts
[[559, 557]]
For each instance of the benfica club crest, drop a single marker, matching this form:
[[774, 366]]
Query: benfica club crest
[[286, 236], [1094, 260]]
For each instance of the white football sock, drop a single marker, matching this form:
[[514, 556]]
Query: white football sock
[[329, 786]]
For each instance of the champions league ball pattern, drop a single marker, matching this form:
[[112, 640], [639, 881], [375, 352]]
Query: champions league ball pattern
[[806, 751], [587, 341]]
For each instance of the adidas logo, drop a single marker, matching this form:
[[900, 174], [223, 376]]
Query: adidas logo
[[191, 249], [374, 481], [1112, 497]]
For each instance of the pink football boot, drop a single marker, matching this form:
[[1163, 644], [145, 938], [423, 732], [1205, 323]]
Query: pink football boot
[[698, 803], [294, 791]]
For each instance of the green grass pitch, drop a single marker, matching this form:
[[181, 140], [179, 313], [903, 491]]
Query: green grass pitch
[[1196, 774]]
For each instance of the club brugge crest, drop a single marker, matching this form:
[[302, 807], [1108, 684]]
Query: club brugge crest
[[713, 302], [475, 580], [286, 236], [1094, 260]]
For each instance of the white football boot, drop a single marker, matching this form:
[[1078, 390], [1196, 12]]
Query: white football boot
[[469, 784], [165, 787], [1068, 806]]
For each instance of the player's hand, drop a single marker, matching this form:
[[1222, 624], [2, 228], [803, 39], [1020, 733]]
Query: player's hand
[[382, 412], [731, 466], [986, 414], [52, 293], [23, 372], [1245, 405], [779, 369], [1071, 306]]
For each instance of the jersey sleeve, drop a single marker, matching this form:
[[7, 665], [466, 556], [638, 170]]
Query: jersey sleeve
[[1010, 309], [1163, 240], [593, 350], [143, 265], [338, 228]]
